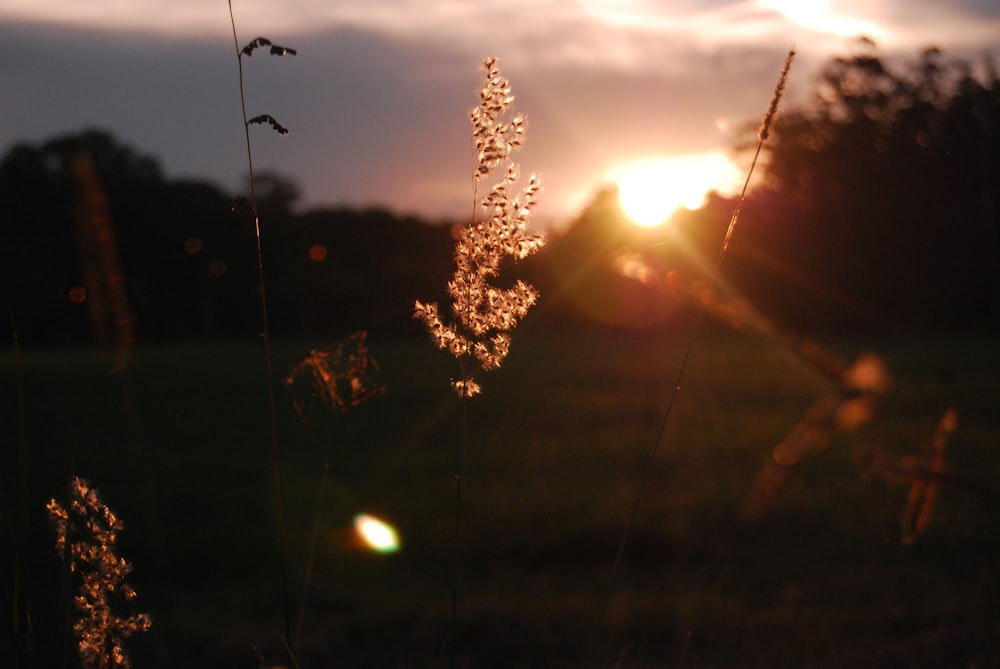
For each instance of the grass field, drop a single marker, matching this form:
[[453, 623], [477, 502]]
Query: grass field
[[179, 447]]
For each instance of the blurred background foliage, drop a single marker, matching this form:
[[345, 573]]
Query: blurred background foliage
[[877, 211]]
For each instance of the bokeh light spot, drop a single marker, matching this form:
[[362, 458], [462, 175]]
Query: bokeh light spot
[[377, 534], [317, 252], [193, 246], [77, 294], [218, 267]]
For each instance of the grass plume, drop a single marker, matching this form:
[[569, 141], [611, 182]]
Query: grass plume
[[483, 315], [478, 335], [86, 534]]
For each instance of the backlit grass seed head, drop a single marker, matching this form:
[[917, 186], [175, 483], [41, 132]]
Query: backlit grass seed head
[[339, 378], [87, 533], [764, 131], [495, 137], [484, 314]]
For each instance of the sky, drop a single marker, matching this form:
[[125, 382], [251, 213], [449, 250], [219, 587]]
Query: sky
[[377, 98]]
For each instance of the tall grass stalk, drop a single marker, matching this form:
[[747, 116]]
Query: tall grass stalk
[[311, 555], [762, 134], [461, 440], [483, 315], [15, 517], [265, 326]]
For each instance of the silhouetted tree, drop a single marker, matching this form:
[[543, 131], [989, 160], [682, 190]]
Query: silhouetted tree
[[189, 260], [175, 240], [276, 194], [333, 271], [883, 190], [39, 192]]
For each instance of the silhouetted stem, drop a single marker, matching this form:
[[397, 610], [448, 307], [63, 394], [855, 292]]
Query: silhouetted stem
[[648, 464], [266, 336]]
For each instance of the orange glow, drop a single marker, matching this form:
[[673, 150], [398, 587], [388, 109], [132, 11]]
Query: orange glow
[[650, 191], [317, 252], [376, 534], [77, 294], [192, 246], [634, 266], [218, 267]]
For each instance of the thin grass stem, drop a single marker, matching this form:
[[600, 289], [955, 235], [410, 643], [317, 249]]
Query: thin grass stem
[[484, 314], [15, 514], [647, 467], [310, 558], [461, 442], [461, 438], [266, 336]]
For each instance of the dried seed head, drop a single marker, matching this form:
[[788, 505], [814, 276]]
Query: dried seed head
[[484, 314], [86, 534], [772, 109]]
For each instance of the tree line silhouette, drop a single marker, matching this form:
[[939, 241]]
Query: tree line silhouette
[[884, 189], [878, 211]]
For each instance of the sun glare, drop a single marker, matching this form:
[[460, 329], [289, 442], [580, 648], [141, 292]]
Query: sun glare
[[819, 16], [650, 191]]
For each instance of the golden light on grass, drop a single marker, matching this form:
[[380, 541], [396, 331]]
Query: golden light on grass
[[651, 190], [484, 315], [86, 537], [376, 534]]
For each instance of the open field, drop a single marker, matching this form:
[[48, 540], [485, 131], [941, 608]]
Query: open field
[[179, 447]]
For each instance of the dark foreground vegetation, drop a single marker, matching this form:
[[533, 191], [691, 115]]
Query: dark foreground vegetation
[[821, 579], [793, 518]]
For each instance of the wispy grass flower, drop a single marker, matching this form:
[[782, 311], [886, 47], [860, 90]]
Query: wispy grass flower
[[86, 533], [764, 131], [338, 378], [478, 335]]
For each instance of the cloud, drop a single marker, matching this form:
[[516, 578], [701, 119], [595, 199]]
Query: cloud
[[542, 28], [377, 98], [373, 119]]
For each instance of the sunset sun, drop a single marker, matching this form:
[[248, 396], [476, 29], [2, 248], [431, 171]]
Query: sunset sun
[[650, 191]]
